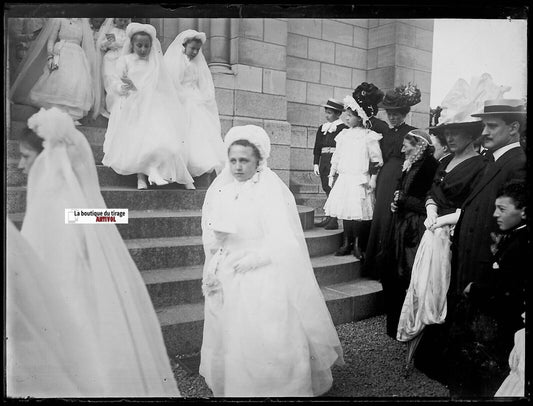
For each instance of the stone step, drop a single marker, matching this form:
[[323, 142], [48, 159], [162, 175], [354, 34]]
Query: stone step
[[181, 285], [168, 252], [95, 135], [305, 189], [21, 112], [162, 198], [182, 325], [311, 199], [164, 223], [106, 177]]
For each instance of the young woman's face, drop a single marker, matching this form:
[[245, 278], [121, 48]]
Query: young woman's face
[[395, 118], [192, 48], [352, 119], [121, 22], [142, 45], [457, 140], [332, 115], [243, 162], [27, 157], [408, 148]]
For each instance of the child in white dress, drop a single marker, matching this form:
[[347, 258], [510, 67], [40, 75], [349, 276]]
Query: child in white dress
[[111, 39], [144, 133], [59, 70], [194, 85], [352, 196]]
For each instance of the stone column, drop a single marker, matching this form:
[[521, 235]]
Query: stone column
[[219, 45], [400, 51]]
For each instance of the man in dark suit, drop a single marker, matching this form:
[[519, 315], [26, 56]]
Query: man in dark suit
[[472, 259], [503, 122]]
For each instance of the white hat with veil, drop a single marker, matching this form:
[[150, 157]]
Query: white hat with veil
[[286, 248], [176, 59], [93, 267]]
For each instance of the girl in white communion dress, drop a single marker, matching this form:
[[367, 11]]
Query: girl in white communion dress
[[60, 69], [109, 342], [111, 39], [146, 134], [267, 329], [194, 85]]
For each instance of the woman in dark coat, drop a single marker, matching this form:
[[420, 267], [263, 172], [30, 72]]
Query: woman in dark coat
[[456, 177], [369, 96], [397, 104], [408, 218]]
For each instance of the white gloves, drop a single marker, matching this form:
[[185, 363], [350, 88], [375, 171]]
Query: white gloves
[[250, 261], [316, 170], [432, 215]]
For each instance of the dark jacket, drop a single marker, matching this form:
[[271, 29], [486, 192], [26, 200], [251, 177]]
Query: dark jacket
[[471, 245], [325, 140]]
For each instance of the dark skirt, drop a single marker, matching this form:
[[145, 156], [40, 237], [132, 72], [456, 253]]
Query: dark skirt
[[381, 221]]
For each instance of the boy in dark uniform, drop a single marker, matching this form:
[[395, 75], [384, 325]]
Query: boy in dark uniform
[[324, 148]]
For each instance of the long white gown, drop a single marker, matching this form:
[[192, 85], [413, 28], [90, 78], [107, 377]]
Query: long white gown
[[145, 133], [120, 346], [70, 87], [109, 61], [268, 332], [194, 86]]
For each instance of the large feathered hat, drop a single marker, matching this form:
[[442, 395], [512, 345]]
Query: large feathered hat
[[401, 97]]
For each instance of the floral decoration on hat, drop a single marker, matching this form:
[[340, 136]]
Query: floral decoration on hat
[[402, 96]]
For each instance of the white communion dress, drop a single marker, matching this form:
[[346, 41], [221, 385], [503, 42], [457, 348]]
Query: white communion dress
[[120, 350], [194, 86], [349, 198], [267, 331], [146, 132], [70, 87], [109, 60]]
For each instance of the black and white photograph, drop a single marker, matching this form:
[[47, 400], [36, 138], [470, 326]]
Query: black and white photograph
[[251, 202]]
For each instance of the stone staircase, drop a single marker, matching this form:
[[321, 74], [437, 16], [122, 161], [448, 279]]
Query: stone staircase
[[164, 239]]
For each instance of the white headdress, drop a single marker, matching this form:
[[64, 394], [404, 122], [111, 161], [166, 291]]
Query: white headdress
[[254, 134], [349, 102], [176, 62]]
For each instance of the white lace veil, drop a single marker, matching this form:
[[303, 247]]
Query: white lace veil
[[96, 272], [35, 63], [176, 60], [285, 243]]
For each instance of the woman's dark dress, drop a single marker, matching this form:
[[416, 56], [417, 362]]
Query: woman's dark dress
[[407, 230], [449, 191], [389, 175]]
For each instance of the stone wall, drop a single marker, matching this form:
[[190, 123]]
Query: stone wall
[[325, 58]]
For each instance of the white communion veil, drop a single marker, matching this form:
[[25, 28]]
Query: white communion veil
[[285, 245], [176, 59], [95, 272], [35, 63]]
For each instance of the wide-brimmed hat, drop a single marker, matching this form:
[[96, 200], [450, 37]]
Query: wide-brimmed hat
[[334, 105], [401, 97], [463, 101], [474, 128], [502, 106]]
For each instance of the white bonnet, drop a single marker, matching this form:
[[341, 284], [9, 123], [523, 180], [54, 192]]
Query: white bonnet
[[252, 133], [134, 28], [52, 125], [192, 34]]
